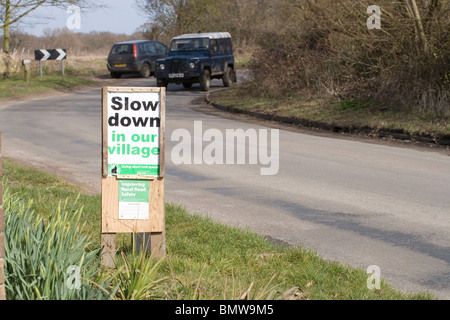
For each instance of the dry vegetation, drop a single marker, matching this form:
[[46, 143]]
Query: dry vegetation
[[9, 61], [305, 47], [332, 51], [86, 53], [324, 47], [77, 44]]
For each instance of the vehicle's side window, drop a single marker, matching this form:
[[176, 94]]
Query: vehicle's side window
[[221, 44], [142, 49], [162, 50], [228, 46], [214, 46], [150, 48]]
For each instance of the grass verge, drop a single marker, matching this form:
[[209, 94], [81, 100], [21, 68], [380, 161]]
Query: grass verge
[[331, 112], [16, 86], [207, 260], [79, 71]]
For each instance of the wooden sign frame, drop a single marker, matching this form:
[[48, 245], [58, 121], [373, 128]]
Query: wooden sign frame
[[111, 224], [110, 209]]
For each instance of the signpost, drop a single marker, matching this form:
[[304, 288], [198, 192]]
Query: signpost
[[50, 54], [133, 152]]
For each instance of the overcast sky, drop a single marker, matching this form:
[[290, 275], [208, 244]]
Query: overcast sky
[[117, 16]]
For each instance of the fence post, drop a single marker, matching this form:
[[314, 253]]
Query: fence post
[[26, 69], [2, 233]]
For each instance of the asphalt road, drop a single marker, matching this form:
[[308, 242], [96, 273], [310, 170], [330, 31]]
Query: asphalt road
[[356, 201]]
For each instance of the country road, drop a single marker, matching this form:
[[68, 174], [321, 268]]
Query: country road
[[356, 201]]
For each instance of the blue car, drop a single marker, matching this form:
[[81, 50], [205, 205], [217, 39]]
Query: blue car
[[197, 58], [135, 57]]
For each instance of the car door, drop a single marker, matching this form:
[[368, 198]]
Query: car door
[[162, 50], [215, 57], [152, 53], [151, 49], [144, 55]]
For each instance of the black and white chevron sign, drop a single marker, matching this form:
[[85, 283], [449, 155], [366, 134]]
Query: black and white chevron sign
[[50, 54]]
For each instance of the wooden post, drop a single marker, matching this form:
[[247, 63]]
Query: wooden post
[[108, 243], [2, 233], [26, 70], [158, 244], [152, 242], [141, 241]]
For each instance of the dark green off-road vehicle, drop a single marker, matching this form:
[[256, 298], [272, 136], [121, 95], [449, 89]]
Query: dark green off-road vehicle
[[197, 58]]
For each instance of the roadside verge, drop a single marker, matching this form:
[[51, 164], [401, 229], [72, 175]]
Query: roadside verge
[[442, 140]]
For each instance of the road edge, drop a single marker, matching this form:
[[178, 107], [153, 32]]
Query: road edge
[[399, 135]]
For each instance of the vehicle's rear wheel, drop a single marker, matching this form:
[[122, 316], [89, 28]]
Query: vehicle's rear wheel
[[145, 71], [227, 77], [205, 80], [115, 75]]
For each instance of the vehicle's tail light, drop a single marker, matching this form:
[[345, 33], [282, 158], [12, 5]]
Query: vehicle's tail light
[[134, 51]]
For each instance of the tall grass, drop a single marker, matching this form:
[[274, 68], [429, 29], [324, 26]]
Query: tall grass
[[136, 276], [43, 256]]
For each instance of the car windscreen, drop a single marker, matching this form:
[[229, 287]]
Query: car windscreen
[[122, 49], [194, 44]]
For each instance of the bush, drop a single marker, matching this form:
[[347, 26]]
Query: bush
[[9, 62], [327, 48]]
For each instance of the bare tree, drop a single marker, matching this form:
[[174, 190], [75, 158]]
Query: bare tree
[[414, 9], [242, 18]]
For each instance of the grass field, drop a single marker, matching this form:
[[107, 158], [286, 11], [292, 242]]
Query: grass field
[[207, 260], [16, 86]]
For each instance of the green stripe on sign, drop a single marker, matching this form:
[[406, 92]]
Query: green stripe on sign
[[133, 169]]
